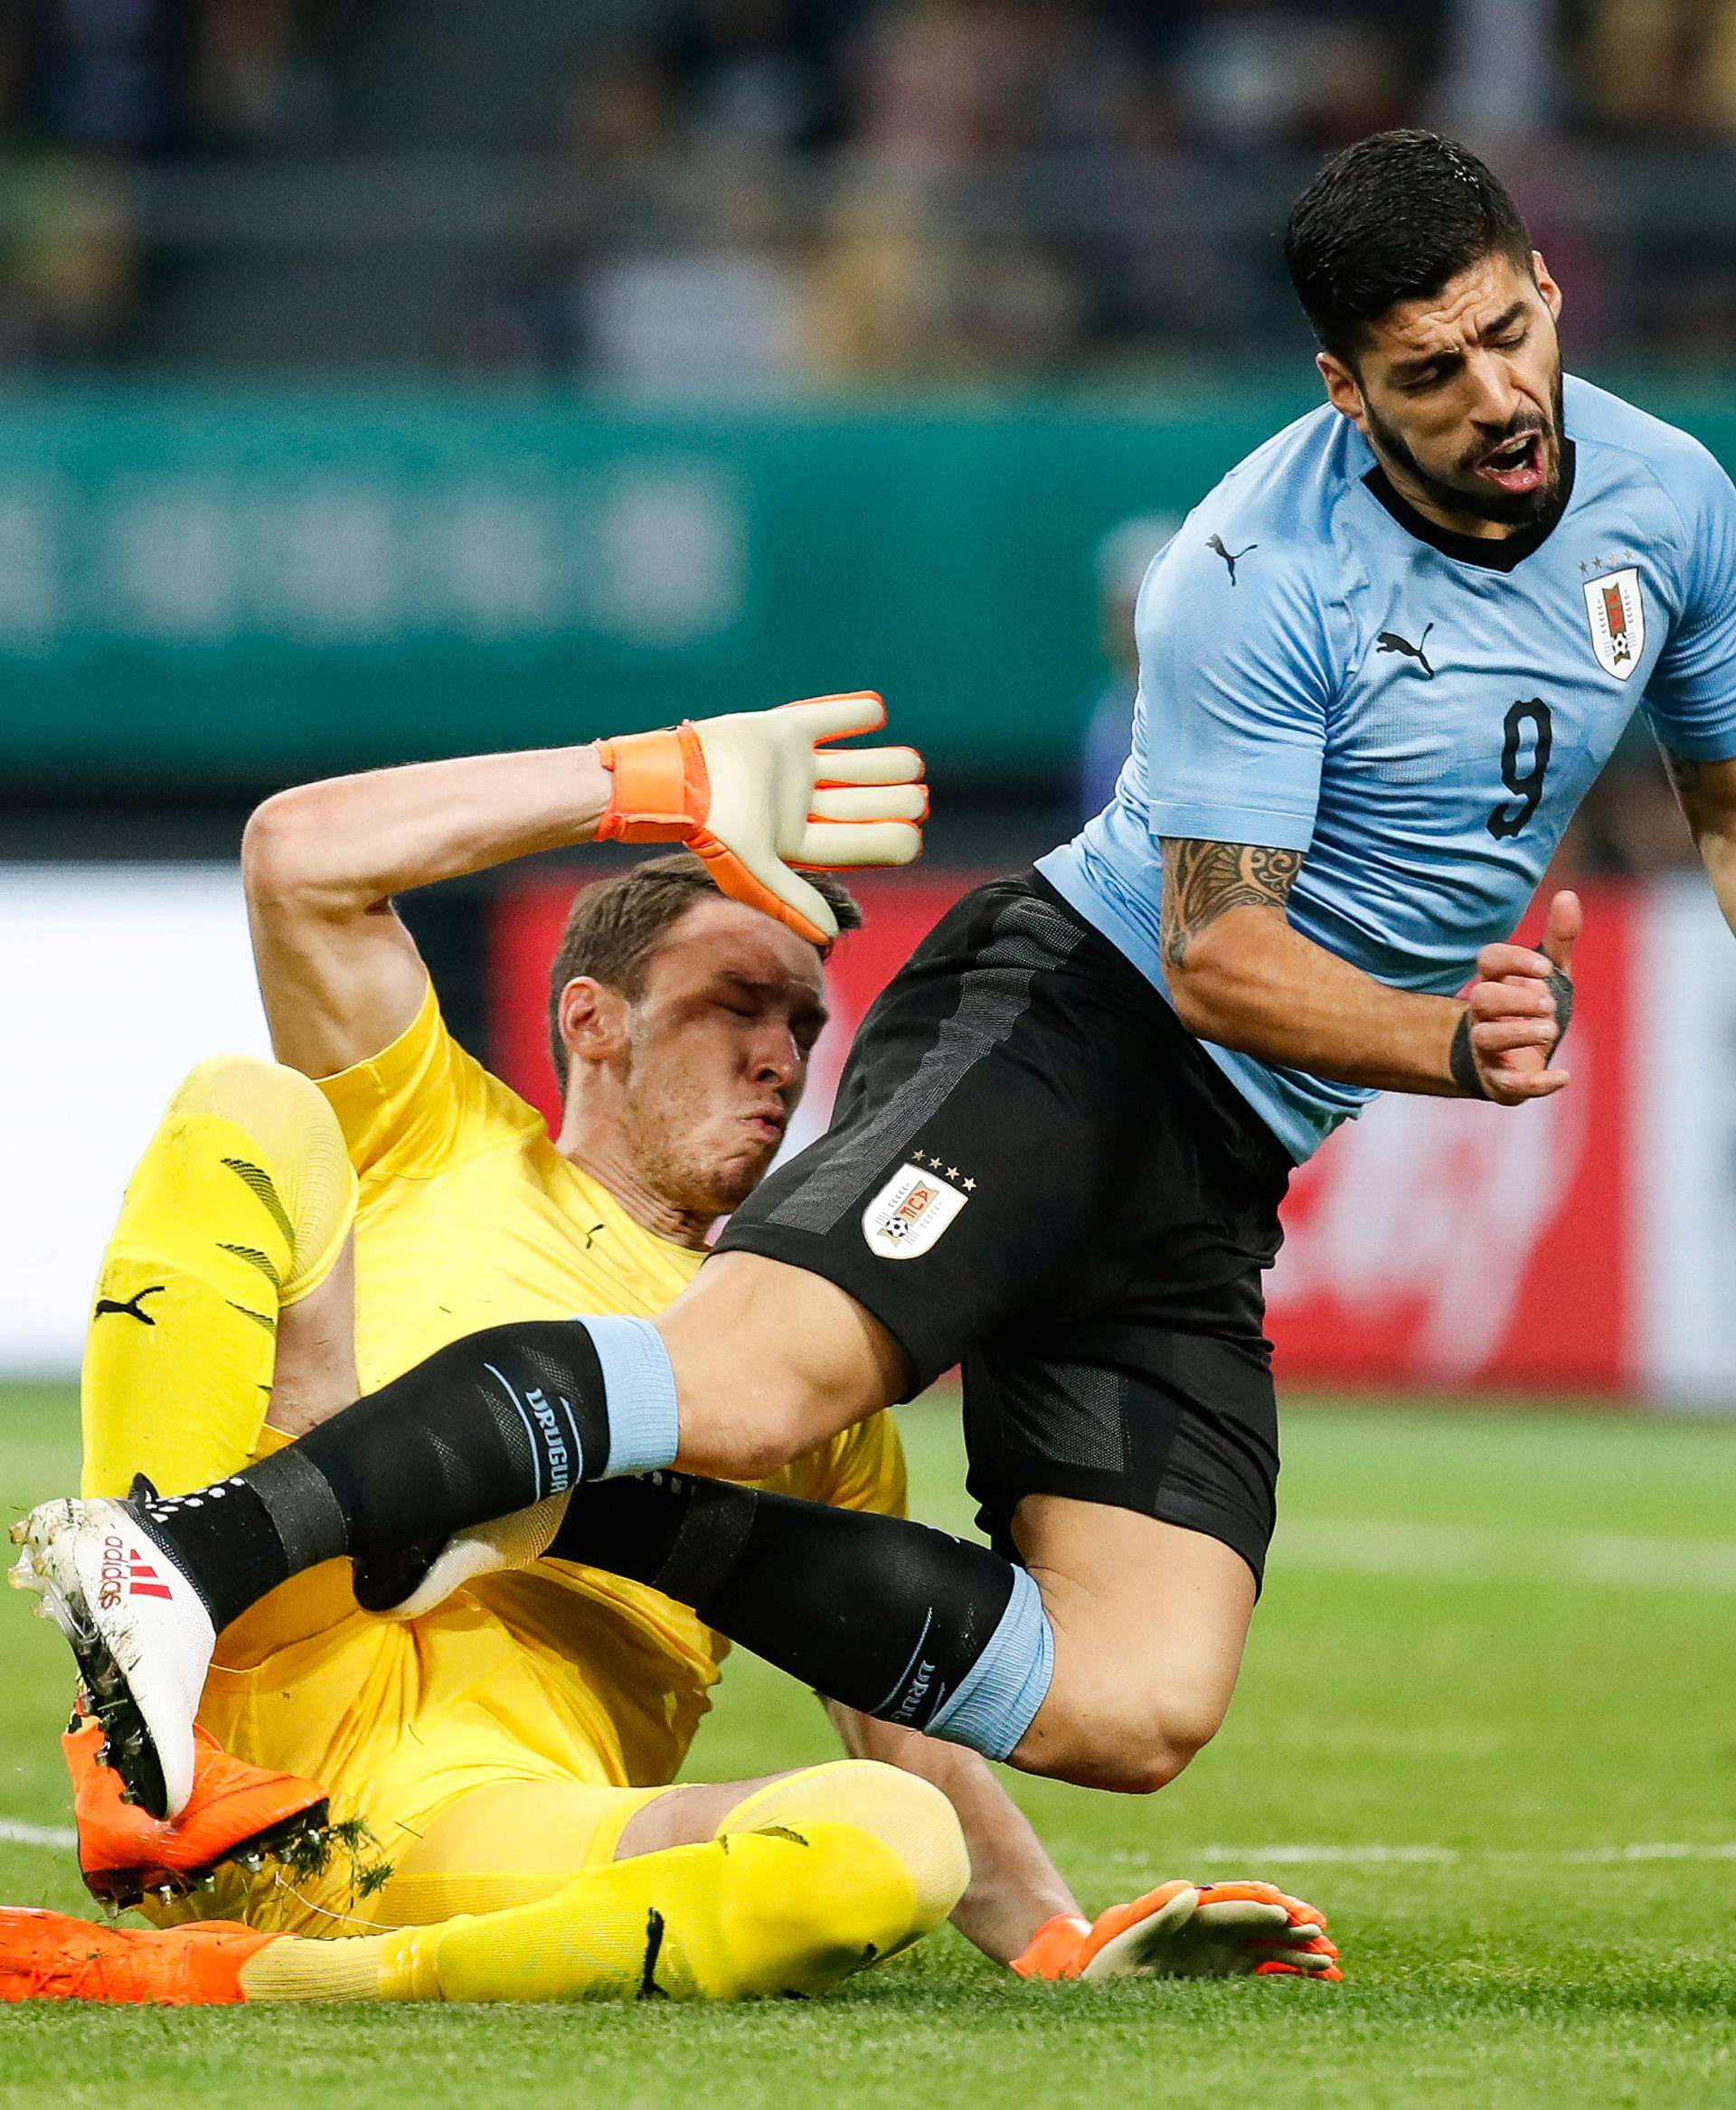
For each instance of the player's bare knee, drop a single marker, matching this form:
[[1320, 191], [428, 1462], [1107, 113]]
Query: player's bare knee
[[1129, 1759], [1118, 1741]]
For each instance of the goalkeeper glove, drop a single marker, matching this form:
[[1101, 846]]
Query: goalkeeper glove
[[1179, 1930], [753, 795]]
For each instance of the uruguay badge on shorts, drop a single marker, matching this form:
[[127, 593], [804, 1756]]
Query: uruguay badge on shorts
[[910, 1213], [1617, 617]]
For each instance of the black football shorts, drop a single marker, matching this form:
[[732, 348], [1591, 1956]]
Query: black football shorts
[[1034, 1170]]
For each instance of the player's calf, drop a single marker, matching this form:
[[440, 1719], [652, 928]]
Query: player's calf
[[894, 1619], [234, 1225]]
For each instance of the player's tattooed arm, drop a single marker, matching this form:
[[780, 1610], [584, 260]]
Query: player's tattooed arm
[[1258, 984], [1202, 881]]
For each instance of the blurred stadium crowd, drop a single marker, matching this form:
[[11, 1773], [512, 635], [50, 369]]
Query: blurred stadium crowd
[[392, 378], [786, 192], [779, 198]]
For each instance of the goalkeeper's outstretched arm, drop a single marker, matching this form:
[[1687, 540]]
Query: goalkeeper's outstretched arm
[[755, 794], [1707, 791], [1015, 1888]]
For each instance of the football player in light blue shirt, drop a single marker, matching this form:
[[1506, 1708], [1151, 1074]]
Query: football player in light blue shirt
[[1380, 666]]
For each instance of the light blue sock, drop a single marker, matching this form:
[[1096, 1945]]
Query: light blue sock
[[997, 1698], [638, 1395]]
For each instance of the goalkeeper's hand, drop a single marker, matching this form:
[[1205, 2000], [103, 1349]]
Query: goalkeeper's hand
[[753, 795], [1181, 1930]]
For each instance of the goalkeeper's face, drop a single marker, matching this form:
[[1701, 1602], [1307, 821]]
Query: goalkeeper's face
[[1459, 395], [716, 1054]]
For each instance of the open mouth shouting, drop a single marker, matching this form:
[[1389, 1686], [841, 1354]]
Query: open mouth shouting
[[1519, 466]]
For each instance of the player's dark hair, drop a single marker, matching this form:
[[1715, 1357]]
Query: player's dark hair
[[616, 926], [1394, 218]]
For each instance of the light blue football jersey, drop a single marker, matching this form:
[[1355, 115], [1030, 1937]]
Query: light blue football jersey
[[1417, 712]]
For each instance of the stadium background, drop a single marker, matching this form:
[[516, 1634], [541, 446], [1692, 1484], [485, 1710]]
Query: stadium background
[[403, 378]]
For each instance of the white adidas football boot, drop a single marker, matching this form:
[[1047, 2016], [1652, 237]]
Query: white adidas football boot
[[140, 1633]]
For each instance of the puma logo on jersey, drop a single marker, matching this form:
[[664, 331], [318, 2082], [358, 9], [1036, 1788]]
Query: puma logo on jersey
[[1231, 557], [125, 1573], [1390, 641], [108, 1303]]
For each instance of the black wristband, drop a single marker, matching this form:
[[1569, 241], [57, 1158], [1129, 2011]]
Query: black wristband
[[1460, 1060], [1560, 987]]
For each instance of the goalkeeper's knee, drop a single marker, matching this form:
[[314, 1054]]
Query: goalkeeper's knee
[[909, 1815], [296, 1168]]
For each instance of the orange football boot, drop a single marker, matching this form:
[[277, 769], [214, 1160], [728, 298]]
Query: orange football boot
[[236, 1812], [45, 1955]]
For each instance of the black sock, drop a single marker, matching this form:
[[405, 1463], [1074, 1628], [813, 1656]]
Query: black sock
[[886, 1616], [489, 1425]]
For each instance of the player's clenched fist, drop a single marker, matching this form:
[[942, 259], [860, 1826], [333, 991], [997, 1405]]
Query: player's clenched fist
[[1517, 1011], [754, 795]]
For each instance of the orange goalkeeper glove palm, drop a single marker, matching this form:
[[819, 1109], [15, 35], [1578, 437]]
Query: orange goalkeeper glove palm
[[1179, 1930], [754, 795]]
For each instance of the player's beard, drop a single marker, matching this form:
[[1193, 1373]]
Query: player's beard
[[1472, 498]]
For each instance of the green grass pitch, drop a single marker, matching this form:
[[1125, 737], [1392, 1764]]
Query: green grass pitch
[[1485, 1722]]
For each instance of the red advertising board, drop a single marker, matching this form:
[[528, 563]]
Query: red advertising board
[[1439, 1244], [1431, 1244]]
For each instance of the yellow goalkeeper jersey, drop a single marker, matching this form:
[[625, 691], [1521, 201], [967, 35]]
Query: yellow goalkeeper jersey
[[467, 1217]]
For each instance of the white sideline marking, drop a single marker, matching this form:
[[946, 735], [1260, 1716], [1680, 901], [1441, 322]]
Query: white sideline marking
[[1668, 1853], [61, 1836], [1436, 1855], [1433, 1856], [1457, 1552], [15, 1835]]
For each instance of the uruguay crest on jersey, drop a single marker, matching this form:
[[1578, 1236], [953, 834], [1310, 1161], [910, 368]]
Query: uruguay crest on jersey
[[1616, 613], [910, 1213]]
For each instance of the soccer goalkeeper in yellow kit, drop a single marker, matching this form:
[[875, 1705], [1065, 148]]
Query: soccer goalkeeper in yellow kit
[[512, 1747]]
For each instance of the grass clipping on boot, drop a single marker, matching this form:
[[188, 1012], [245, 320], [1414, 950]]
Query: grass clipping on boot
[[311, 1853]]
